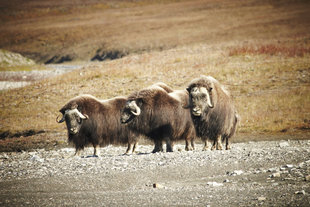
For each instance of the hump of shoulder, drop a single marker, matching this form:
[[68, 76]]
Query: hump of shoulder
[[163, 86], [153, 89], [114, 101], [83, 98], [180, 95], [151, 92], [203, 80]]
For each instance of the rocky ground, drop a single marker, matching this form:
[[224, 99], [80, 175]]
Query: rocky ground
[[266, 173]]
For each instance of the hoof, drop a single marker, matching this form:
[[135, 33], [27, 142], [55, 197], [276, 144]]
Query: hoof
[[189, 149], [205, 149]]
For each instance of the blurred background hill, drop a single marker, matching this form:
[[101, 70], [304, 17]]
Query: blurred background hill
[[62, 30]]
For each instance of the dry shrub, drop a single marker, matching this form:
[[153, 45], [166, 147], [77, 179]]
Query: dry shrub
[[270, 49]]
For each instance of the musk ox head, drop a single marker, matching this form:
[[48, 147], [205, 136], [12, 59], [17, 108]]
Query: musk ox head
[[201, 95], [74, 119], [131, 111]]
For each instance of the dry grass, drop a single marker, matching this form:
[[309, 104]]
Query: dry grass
[[259, 51]]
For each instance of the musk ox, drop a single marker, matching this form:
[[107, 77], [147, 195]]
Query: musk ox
[[90, 121], [160, 115], [213, 111]]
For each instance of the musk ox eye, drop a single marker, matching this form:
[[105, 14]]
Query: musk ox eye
[[195, 89]]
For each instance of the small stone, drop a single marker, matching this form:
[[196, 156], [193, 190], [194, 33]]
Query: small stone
[[307, 178], [284, 144], [276, 175], [214, 184], [234, 173], [289, 166], [226, 181], [238, 172], [36, 158], [261, 198], [156, 185], [272, 169], [300, 192], [5, 156]]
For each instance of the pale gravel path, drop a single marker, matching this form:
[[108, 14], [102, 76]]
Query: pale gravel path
[[12, 79], [271, 173]]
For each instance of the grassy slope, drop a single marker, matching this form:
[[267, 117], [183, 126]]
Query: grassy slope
[[41, 30], [260, 52]]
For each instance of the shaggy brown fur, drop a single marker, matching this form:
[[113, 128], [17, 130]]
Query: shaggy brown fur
[[102, 126], [163, 86], [162, 118], [218, 121]]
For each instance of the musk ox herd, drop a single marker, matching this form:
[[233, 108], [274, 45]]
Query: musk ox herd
[[203, 110]]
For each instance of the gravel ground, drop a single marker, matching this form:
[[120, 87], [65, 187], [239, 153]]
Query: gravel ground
[[269, 173]]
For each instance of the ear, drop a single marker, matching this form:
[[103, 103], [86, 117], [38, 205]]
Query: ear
[[188, 89], [139, 101], [74, 106]]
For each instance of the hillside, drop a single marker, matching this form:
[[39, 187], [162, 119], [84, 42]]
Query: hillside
[[63, 30], [260, 50], [10, 60]]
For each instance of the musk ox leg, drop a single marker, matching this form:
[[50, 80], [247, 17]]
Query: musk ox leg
[[214, 145], [219, 143], [78, 152], [193, 144], [206, 147], [228, 147], [96, 151], [135, 146], [169, 145], [158, 146], [189, 145], [131, 148]]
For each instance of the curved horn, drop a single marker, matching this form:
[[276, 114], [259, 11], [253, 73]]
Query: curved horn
[[205, 91], [137, 111], [209, 100], [82, 116], [61, 120]]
